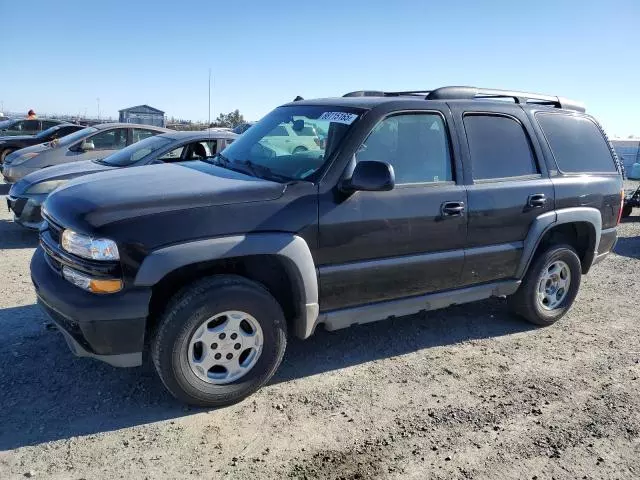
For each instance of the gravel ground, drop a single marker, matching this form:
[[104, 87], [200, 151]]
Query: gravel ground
[[467, 392]]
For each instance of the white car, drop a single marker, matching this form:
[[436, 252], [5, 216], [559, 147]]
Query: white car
[[285, 138]]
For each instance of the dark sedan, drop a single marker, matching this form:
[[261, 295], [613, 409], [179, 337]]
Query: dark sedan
[[11, 143], [27, 195], [26, 126]]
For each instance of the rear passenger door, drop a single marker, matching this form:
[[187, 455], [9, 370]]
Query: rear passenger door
[[508, 186]]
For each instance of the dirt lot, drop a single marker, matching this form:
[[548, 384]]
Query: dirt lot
[[468, 392]]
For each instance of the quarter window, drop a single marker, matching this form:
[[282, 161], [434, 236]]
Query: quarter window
[[499, 147], [415, 145], [576, 143]]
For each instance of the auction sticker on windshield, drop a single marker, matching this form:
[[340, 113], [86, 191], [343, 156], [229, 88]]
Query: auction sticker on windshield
[[339, 117]]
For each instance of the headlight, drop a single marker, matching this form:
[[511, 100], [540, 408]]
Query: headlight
[[89, 247], [24, 157], [45, 187]]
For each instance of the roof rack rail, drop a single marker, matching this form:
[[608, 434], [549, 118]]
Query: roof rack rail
[[471, 93]]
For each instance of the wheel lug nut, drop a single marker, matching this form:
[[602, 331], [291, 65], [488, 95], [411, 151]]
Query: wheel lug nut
[[214, 346], [234, 336], [217, 356], [237, 346], [221, 336], [229, 356]]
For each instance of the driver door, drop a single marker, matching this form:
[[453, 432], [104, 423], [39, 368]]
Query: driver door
[[376, 246]]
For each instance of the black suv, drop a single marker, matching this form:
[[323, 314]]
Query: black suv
[[415, 201]]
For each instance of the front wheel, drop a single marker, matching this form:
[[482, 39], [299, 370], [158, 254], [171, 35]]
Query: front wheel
[[626, 210], [549, 287], [220, 340]]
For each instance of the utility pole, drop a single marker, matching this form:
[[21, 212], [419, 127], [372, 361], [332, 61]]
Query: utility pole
[[98, 99], [209, 123]]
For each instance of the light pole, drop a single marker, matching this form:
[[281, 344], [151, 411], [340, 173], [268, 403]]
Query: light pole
[[98, 100]]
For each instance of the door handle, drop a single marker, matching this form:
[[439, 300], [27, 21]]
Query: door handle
[[537, 200], [452, 209]]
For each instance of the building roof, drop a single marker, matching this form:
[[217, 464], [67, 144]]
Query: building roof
[[142, 109]]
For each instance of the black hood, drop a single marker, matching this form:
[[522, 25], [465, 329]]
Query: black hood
[[104, 198]]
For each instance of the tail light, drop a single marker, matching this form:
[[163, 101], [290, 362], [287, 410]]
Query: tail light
[[621, 206]]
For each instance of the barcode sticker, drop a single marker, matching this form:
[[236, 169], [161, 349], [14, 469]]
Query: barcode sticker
[[339, 117]]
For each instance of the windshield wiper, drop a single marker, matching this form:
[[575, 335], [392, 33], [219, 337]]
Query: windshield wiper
[[262, 171]]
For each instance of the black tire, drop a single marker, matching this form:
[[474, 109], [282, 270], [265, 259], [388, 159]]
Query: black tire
[[4, 154], [524, 302], [188, 310], [626, 210]]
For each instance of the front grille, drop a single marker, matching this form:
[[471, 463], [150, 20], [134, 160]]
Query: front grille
[[55, 230]]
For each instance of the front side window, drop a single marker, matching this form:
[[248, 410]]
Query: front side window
[[273, 149], [416, 145], [577, 143], [137, 151], [110, 139], [499, 147], [172, 155]]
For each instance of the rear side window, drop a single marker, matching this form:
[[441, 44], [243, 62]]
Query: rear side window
[[499, 147], [576, 143]]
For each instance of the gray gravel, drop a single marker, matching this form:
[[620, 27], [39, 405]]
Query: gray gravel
[[467, 392]]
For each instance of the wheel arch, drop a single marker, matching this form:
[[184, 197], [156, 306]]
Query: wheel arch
[[579, 226], [279, 261]]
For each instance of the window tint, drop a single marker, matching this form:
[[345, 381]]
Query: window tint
[[28, 126], [415, 145], [48, 124], [141, 134], [499, 147], [110, 140], [577, 143], [62, 131]]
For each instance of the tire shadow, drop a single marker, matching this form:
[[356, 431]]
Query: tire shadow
[[14, 236]]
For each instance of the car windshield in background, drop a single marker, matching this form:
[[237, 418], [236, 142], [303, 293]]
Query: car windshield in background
[[136, 152], [286, 144], [47, 132], [79, 135]]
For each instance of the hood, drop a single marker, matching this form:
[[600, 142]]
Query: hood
[[42, 147], [65, 171], [123, 193]]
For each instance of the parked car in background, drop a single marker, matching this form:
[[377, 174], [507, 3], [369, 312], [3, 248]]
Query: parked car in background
[[27, 195], [86, 144], [25, 126], [293, 138], [243, 127], [12, 143]]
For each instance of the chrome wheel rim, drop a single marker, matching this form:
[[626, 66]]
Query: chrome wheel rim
[[553, 285], [225, 347]]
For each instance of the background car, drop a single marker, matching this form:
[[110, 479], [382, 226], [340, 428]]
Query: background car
[[27, 195], [293, 140], [86, 144], [12, 143], [26, 127]]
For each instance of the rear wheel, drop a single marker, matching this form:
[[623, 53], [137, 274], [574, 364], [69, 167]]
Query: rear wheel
[[219, 341], [549, 287], [626, 210]]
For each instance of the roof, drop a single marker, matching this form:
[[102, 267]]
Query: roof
[[198, 135], [142, 109], [102, 126]]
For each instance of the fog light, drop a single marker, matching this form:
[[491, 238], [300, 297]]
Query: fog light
[[89, 284]]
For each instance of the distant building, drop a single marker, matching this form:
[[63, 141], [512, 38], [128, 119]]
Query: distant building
[[143, 114], [628, 151]]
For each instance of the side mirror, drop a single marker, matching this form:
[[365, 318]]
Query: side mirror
[[370, 176], [86, 146]]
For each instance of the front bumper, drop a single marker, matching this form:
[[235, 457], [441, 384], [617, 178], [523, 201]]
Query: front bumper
[[26, 210], [110, 328], [13, 173]]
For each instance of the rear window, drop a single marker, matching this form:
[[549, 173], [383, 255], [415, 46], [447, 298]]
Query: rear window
[[577, 143]]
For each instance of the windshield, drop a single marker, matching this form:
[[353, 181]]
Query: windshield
[[287, 142], [79, 135], [47, 132], [136, 152]]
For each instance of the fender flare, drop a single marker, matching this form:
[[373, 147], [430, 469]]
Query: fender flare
[[290, 247], [545, 222]]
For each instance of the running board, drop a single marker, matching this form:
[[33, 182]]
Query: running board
[[373, 312]]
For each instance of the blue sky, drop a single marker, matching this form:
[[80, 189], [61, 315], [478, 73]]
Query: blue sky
[[59, 57]]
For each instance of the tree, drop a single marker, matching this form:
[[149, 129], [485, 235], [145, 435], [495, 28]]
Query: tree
[[229, 120]]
